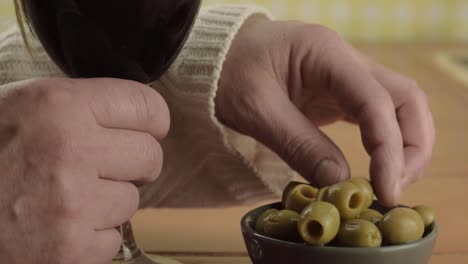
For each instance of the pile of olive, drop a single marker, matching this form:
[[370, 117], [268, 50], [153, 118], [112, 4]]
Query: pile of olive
[[340, 215]]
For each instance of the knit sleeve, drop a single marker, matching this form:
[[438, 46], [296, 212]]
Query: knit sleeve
[[206, 163], [17, 63]]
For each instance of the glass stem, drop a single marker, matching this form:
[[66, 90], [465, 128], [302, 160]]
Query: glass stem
[[129, 249]]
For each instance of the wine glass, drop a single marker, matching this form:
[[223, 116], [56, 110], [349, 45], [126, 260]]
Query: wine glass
[[136, 40]]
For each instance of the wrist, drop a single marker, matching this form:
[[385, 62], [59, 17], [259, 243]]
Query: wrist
[[235, 68]]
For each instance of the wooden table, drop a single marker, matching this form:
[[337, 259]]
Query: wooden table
[[213, 235]]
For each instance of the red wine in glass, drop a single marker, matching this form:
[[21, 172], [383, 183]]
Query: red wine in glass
[[127, 39]]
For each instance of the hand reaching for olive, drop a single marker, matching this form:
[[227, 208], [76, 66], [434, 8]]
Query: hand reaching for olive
[[282, 80]]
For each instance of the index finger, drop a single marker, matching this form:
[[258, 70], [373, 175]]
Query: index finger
[[123, 104], [415, 119], [370, 104]]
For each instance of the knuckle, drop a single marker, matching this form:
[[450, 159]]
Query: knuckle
[[362, 112], [54, 152], [40, 92], [320, 39], [152, 107], [159, 110], [427, 156], [114, 244], [53, 93], [133, 199], [62, 200], [325, 34], [416, 93], [299, 148], [381, 103], [153, 153], [142, 102]]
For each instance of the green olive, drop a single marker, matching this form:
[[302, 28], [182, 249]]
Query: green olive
[[371, 215], [366, 188], [288, 189], [319, 223], [348, 199], [427, 214], [299, 197], [282, 225], [401, 225], [358, 233], [259, 224], [323, 193]]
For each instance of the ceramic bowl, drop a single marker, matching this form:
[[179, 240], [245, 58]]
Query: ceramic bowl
[[265, 250]]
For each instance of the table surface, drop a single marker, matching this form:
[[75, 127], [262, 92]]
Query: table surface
[[205, 236]]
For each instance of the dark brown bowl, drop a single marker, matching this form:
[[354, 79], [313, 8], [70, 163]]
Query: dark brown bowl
[[266, 250]]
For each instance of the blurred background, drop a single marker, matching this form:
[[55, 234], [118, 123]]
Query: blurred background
[[364, 20], [379, 20]]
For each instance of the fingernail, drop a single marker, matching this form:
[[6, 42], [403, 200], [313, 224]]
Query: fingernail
[[327, 172], [396, 193]]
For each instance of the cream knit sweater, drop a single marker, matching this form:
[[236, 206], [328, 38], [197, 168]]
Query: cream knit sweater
[[206, 164]]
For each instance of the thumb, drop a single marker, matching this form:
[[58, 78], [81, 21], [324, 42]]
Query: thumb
[[306, 149]]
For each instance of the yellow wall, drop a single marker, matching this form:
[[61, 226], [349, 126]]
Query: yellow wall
[[6, 10], [444, 20]]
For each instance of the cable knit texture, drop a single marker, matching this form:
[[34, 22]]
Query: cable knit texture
[[206, 163]]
